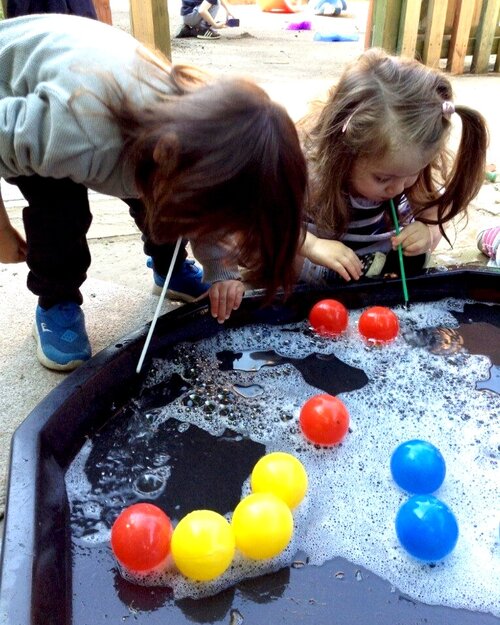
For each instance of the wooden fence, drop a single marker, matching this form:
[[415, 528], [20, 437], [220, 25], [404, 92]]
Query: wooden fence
[[431, 30]]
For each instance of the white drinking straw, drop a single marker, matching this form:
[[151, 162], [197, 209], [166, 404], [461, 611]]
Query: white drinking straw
[[158, 308]]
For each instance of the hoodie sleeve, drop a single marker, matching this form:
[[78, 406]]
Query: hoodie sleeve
[[218, 256], [31, 140]]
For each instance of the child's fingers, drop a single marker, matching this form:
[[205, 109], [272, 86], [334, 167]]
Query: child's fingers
[[234, 295], [347, 264], [213, 294], [414, 239], [224, 298], [222, 307], [348, 270], [412, 245], [238, 297], [353, 266]]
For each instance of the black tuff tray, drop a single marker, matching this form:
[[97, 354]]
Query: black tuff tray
[[37, 578]]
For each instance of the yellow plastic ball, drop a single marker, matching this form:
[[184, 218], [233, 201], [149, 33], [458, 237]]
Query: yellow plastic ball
[[203, 545], [282, 475], [263, 526]]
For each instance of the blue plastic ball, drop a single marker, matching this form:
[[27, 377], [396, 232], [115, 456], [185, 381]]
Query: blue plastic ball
[[418, 467], [426, 528]]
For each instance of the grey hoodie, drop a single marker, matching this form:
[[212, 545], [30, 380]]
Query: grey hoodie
[[54, 72], [52, 67]]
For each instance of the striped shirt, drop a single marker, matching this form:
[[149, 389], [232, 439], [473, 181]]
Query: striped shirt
[[370, 226]]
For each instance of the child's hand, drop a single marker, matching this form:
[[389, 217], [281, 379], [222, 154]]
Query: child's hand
[[336, 256], [416, 238], [225, 296], [13, 247]]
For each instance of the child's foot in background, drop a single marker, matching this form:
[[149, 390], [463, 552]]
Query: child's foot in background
[[187, 31], [488, 242], [209, 33], [62, 341], [185, 285]]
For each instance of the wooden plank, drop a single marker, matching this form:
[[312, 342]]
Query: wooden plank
[[408, 27], [150, 24], [103, 11], [460, 33], [450, 14], [484, 36], [369, 25], [384, 27], [478, 7], [391, 29], [436, 19], [379, 12]]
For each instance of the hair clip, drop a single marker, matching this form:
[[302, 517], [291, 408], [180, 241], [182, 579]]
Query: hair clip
[[448, 108]]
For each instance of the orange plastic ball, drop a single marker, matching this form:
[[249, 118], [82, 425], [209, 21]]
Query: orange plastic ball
[[141, 537], [378, 324], [324, 420], [329, 317]]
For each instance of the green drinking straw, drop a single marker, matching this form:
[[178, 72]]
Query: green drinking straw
[[400, 253]]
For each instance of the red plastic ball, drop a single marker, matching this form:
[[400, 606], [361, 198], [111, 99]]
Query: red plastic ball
[[324, 420], [378, 324], [329, 317], [141, 536]]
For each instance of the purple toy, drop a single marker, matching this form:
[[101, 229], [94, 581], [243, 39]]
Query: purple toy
[[304, 25]]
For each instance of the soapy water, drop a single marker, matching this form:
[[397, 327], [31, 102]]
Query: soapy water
[[426, 384]]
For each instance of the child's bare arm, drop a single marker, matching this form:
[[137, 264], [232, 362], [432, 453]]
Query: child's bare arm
[[12, 245], [203, 10]]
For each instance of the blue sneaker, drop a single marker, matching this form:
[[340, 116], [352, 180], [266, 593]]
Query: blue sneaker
[[185, 285], [62, 341]]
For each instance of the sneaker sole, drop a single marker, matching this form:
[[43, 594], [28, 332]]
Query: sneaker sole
[[375, 269], [174, 295], [51, 364]]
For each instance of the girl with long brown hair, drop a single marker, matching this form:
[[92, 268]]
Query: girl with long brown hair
[[383, 135], [85, 106]]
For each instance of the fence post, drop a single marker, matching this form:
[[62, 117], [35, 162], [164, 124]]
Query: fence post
[[433, 41], [408, 27], [150, 24], [385, 24], [484, 36], [464, 10]]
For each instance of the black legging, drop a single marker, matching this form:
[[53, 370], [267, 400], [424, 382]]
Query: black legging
[[56, 222]]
